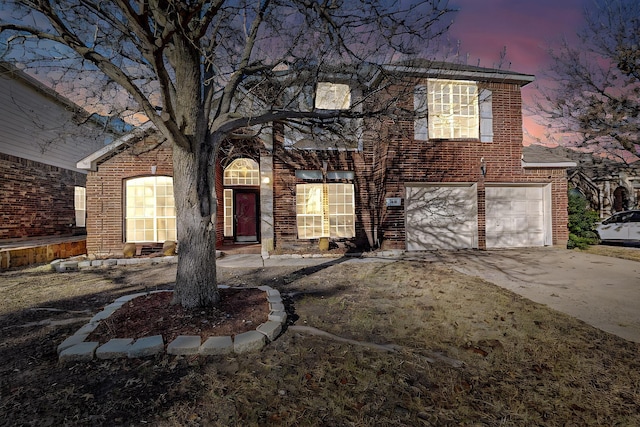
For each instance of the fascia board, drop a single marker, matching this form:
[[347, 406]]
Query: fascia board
[[522, 79], [91, 161], [531, 165]]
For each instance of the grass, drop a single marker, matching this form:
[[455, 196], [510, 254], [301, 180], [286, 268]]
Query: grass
[[623, 252], [521, 363]]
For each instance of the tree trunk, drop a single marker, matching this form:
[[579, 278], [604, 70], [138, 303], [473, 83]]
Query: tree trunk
[[196, 284]]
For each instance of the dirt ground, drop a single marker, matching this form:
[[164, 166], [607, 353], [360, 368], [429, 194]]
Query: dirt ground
[[458, 351]]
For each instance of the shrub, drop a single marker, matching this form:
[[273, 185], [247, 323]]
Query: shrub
[[582, 222]]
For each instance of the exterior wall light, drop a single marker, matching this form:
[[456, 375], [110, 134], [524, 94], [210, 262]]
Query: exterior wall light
[[483, 167]]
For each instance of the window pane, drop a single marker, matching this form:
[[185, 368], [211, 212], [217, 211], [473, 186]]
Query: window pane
[[320, 217], [452, 109], [80, 205], [150, 209], [228, 212], [242, 172], [333, 96], [309, 211], [341, 218]]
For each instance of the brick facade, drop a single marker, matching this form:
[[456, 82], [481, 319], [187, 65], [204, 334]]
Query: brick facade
[[285, 164], [106, 196], [37, 199], [389, 160]]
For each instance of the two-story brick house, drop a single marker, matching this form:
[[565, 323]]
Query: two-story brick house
[[441, 168]]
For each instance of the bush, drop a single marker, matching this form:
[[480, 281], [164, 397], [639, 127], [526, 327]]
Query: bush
[[582, 223]]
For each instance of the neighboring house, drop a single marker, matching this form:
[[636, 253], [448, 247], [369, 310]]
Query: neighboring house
[[445, 170], [42, 136], [610, 186]]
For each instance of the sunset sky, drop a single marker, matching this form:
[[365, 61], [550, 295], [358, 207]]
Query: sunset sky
[[526, 27], [483, 28]]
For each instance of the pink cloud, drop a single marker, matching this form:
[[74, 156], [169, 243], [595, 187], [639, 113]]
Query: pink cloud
[[525, 27], [482, 28]]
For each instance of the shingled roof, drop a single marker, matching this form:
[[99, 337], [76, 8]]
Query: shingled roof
[[591, 164]]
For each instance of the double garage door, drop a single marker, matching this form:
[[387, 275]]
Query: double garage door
[[446, 216]]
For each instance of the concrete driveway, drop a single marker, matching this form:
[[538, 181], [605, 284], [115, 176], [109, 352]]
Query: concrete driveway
[[601, 291]]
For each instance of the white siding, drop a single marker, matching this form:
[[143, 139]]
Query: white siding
[[37, 127]]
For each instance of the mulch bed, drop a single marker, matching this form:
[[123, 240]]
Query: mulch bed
[[241, 310]]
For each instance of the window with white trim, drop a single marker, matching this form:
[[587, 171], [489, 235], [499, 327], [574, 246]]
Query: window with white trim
[[325, 210], [428, 125], [228, 212], [80, 206], [242, 172], [333, 96], [453, 109], [150, 214]]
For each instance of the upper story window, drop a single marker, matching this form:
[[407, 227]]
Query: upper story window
[[334, 133], [453, 109], [333, 96]]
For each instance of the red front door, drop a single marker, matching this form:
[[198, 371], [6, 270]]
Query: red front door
[[246, 216]]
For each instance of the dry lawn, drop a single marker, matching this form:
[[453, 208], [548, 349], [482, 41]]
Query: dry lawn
[[466, 353], [631, 253]]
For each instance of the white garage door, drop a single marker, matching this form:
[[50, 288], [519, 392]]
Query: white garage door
[[441, 216], [518, 216]]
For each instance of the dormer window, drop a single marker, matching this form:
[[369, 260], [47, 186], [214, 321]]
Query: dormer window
[[333, 96]]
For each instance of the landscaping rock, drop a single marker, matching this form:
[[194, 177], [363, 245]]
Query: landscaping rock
[[129, 250], [217, 346], [78, 352], [276, 306], [249, 341], [169, 248], [71, 341], [114, 349], [270, 329], [278, 316], [147, 346], [184, 344]]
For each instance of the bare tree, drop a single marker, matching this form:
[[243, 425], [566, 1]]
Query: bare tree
[[186, 65], [594, 95]]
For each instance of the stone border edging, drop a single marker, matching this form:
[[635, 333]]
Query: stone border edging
[[75, 348], [62, 265]]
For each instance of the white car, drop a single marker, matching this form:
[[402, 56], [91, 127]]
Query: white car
[[620, 227]]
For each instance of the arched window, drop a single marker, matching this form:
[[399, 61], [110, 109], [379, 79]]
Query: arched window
[[150, 213], [242, 172]]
